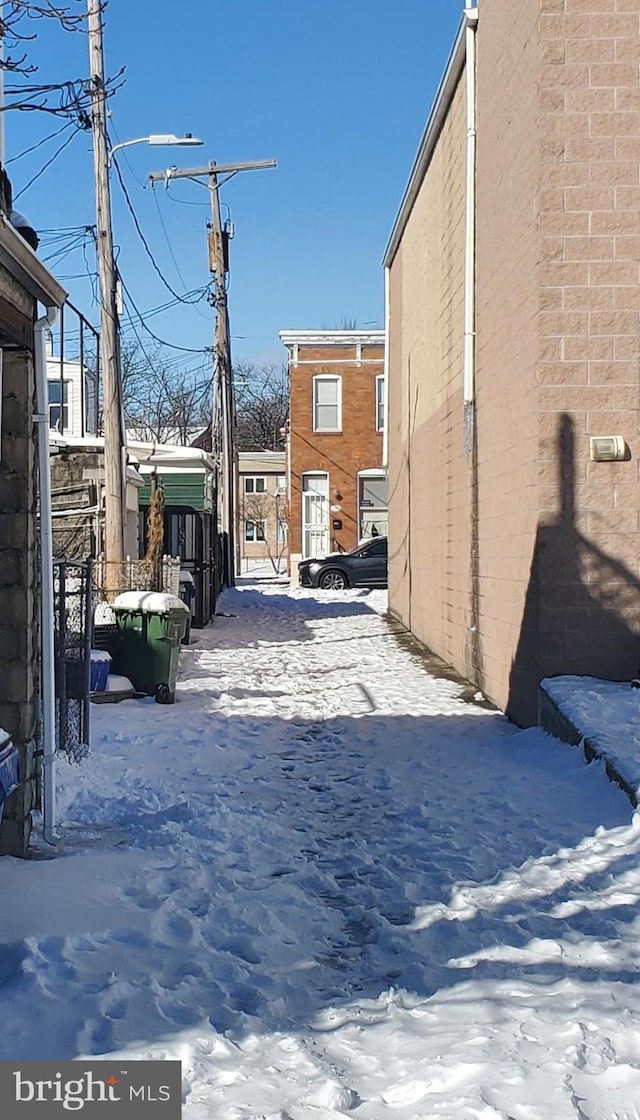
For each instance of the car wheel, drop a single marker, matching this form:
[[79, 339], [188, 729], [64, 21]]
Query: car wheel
[[333, 580]]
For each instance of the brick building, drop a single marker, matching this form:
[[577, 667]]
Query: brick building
[[337, 484], [513, 275], [262, 513]]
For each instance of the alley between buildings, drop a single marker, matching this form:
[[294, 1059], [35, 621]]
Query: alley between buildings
[[331, 887]]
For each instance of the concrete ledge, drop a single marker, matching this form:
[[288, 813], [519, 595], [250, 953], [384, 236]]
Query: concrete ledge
[[561, 715]]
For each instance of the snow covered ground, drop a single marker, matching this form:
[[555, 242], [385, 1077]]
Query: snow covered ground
[[331, 889]]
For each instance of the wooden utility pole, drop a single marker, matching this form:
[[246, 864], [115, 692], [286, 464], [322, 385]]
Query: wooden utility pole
[[223, 405], [222, 377], [113, 421]]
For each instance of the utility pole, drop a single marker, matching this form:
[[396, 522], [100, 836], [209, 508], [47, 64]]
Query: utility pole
[[113, 421], [222, 376], [223, 404]]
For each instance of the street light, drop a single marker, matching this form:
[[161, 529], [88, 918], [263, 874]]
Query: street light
[[114, 431], [160, 139], [113, 415]]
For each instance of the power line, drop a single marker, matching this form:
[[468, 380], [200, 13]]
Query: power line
[[143, 239], [48, 163], [34, 147], [162, 341]]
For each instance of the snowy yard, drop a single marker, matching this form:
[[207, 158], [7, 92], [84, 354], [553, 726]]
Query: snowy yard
[[331, 888]]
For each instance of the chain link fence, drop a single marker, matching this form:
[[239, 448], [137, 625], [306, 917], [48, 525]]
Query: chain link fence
[[73, 597]]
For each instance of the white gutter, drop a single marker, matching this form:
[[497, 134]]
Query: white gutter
[[469, 373], [46, 580], [387, 318]]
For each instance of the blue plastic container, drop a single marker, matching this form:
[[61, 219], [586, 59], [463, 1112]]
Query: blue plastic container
[[99, 670]]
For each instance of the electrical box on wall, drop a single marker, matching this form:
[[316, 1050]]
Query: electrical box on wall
[[337, 524], [607, 448]]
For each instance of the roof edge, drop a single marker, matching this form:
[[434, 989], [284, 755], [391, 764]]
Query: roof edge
[[436, 118], [331, 338]]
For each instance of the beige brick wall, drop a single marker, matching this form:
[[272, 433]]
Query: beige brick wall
[[508, 174], [429, 495], [587, 372], [539, 546]]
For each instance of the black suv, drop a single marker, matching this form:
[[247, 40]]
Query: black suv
[[364, 566]]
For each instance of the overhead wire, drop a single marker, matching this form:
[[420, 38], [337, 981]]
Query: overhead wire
[[45, 140], [162, 341], [55, 155], [130, 207]]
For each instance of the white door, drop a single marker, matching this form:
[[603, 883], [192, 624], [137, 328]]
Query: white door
[[315, 515]]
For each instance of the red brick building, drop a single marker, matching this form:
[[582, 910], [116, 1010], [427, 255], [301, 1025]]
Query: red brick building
[[337, 486]]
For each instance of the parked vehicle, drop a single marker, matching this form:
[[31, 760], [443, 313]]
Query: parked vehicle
[[364, 566]]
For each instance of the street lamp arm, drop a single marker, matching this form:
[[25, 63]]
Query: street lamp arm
[[159, 139]]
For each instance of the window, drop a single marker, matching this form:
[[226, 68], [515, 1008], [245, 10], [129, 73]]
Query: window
[[282, 531], [372, 504], [380, 392], [327, 403], [55, 400], [254, 530], [253, 485], [281, 483]]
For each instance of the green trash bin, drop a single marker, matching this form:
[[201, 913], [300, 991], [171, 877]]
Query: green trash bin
[[152, 627]]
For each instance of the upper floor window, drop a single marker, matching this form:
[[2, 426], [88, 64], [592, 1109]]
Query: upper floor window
[[327, 403], [281, 483], [380, 393], [253, 485], [58, 405]]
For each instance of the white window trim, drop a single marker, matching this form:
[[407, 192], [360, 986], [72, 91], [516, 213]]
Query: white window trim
[[380, 380], [257, 525], [327, 377], [254, 478]]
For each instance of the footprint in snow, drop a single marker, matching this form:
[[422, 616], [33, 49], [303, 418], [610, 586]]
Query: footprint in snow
[[174, 928]]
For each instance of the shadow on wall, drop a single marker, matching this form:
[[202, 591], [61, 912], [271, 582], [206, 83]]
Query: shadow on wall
[[581, 605]]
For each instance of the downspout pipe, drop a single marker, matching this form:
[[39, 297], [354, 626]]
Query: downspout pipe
[[469, 374], [46, 580], [387, 320]]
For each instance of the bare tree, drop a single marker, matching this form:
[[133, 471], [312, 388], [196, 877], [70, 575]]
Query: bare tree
[[268, 510], [262, 405], [70, 98], [163, 402]]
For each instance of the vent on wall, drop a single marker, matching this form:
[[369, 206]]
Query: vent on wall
[[606, 448]]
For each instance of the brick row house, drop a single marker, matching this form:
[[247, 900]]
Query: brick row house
[[336, 480], [513, 277], [262, 489]]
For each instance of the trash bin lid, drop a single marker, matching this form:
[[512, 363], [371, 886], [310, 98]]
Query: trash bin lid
[[149, 602]]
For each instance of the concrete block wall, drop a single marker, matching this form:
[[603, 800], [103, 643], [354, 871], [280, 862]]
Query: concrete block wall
[[428, 478], [18, 594], [588, 360], [529, 546]]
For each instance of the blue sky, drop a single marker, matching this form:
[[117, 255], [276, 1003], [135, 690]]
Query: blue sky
[[338, 92]]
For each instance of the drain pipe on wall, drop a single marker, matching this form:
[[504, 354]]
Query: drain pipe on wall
[[387, 319], [469, 374], [46, 581]]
